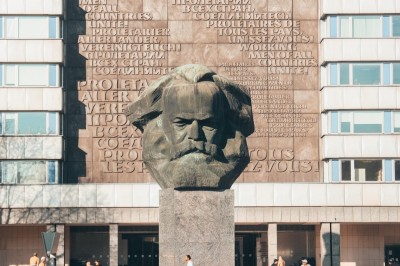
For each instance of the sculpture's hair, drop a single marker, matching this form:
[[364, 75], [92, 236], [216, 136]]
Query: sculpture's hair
[[149, 105]]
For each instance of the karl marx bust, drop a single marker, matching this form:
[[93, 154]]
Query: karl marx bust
[[194, 125]]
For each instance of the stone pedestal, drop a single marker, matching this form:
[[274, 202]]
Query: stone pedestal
[[198, 223]]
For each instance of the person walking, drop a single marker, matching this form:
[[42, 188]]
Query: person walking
[[34, 260], [188, 260], [281, 262]]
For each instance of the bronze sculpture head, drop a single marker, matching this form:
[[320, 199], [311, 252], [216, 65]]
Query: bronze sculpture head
[[194, 125]]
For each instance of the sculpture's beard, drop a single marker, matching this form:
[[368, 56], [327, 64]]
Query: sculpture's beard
[[193, 164]]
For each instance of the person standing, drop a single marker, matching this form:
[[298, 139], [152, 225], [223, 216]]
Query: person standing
[[304, 262], [188, 260], [281, 262], [275, 262], [42, 261], [34, 260]]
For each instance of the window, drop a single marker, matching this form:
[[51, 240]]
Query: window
[[28, 172], [361, 122], [367, 122], [397, 170], [30, 27], [29, 123], [368, 26], [396, 73], [364, 74], [43, 75], [396, 26], [359, 170]]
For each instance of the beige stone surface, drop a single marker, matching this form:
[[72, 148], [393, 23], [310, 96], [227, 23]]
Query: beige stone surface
[[115, 55]]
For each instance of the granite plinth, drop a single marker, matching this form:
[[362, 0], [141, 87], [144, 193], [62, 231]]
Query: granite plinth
[[198, 223]]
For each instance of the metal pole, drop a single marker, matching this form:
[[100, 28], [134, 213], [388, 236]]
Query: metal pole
[[330, 242]]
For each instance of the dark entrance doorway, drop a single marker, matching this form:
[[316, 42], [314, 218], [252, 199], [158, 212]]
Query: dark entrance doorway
[[392, 254], [89, 243], [138, 246], [245, 249]]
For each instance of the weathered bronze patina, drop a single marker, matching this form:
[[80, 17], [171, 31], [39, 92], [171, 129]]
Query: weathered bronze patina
[[194, 125]]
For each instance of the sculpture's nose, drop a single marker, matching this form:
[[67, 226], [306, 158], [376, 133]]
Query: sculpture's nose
[[194, 132]]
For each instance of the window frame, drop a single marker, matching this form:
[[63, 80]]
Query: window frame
[[49, 78], [382, 72], [388, 124], [352, 170], [4, 32], [16, 124], [337, 27], [16, 168]]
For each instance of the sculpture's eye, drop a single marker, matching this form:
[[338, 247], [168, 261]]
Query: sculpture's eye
[[180, 123], [209, 124]]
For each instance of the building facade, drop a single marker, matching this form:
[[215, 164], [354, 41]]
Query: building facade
[[323, 181]]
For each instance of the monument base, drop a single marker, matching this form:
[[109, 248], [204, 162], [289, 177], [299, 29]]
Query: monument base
[[199, 224]]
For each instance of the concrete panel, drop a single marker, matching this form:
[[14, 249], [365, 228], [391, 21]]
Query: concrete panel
[[87, 195], [335, 195], [333, 147], [3, 7], [247, 195], [140, 195], [369, 49], [389, 195], [53, 51], [52, 99], [3, 197], [16, 52], [52, 196], [123, 195], [16, 6], [350, 49], [15, 147], [54, 7], [386, 50], [69, 195], [388, 97], [300, 195], [3, 50], [282, 194], [353, 195], [52, 148], [352, 146], [16, 196], [265, 194], [105, 196], [3, 148], [34, 99], [388, 146], [317, 194], [372, 195], [370, 146], [352, 98], [34, 51], [34, 6], [332, 98], [34, 196], [351, 52], [33, 147], [16, 99], [154, 195], [3, 99], [370, 97]]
